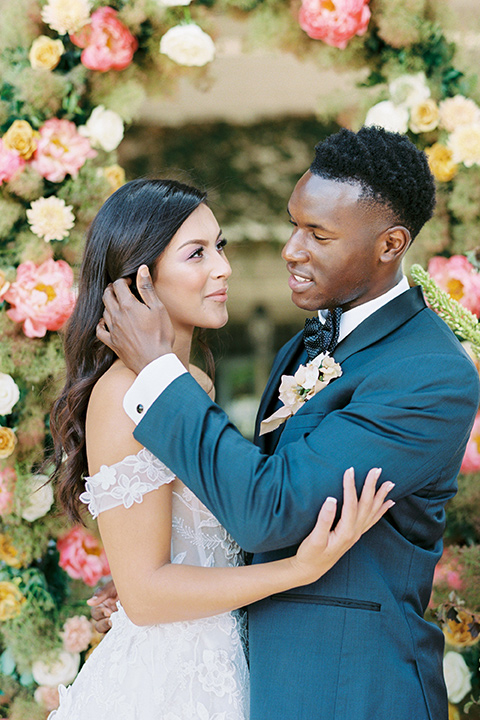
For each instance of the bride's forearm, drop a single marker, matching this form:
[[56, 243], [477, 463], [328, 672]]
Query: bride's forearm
[[185, 592]]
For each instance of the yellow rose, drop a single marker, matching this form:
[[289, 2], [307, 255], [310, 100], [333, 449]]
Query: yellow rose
[[4, 285], [7, 442], [45, 53], [21, 137], [441, 163], [8, 552], [463, 631], [115, 176], [424, 116], [11, 601], [453, 713]]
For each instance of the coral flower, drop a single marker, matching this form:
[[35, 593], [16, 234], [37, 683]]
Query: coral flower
[[82, 556], [41, 296], [107, 43], [459, 279], [61, 150], [10, 162], [334, 21], [471, 459]]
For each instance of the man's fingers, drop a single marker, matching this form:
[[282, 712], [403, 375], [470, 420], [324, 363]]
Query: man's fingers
[[106, 592], [103, 334], [145, 286], [103, 626]]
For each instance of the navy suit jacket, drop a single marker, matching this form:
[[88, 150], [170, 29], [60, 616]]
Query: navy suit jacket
[[354, 645]]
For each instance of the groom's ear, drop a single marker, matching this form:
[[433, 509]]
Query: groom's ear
[[395, 242]]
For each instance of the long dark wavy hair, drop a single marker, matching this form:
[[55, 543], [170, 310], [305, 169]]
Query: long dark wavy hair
[[132, 228]]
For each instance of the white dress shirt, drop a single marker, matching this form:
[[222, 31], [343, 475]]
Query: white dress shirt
[[160, 373]]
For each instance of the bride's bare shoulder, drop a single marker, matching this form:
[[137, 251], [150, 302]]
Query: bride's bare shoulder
[[108, 429]]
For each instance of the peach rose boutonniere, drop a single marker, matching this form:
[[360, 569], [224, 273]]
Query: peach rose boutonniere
[[296, 389]]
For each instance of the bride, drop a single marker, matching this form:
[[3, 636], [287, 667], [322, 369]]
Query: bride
[[175, 649]]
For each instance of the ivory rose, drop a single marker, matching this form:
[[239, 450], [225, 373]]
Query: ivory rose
[[188, 45], [61, 150], [458, 110], [385, 114], [22, 138], [457, 676], [62, 670], [11, 162], [8, 440], [409, 90], [8, 479], [66, 16], [440, 162], [81, 556], [40, 499], [464, 142], [104, 129], [107, 43], [334, 21], [9, 393], [458, 278], [424, 116], [45, 53], [41, 296], [471, 459], [115, 176]]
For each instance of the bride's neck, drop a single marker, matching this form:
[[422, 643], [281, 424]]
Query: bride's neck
[[183, 345]]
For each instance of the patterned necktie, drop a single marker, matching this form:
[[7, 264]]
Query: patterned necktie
[[320, 338]]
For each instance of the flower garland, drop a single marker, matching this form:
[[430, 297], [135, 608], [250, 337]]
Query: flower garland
[[74, 75]]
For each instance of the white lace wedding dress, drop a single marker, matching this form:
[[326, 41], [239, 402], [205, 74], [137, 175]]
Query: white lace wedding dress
[[192, 670]]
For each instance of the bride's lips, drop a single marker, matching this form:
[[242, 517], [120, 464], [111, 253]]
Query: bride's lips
[[299, 283], [219, 295]]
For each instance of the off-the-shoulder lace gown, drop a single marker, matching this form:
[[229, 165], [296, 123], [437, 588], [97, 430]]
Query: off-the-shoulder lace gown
[[192, 670]]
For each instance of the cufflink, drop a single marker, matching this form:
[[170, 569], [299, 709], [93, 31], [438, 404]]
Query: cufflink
[[139, 409]]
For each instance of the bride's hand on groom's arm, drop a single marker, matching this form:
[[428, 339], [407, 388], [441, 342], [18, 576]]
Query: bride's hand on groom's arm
[[137, 332], [102, 605], [320, 550]]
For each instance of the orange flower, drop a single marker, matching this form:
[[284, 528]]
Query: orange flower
[[462, 631], [440, 161], [8, 441]]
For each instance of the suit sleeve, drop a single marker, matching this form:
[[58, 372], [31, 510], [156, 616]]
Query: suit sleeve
[[412, 423]]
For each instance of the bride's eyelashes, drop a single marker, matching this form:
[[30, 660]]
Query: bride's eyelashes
[[198, 253]]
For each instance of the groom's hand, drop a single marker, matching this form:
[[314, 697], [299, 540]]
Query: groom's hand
[[137, 333]]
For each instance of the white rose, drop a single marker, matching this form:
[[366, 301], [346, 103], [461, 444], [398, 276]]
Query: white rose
[[9, 393], [64, 670], [104, 129], [389, 116], [188, 45], [40, 499], [457, 676], [409, 90], [172, 3]]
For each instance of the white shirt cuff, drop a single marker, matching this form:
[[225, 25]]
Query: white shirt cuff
[[150, 383]]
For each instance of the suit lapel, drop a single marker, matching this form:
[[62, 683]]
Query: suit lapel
[[377, 326]]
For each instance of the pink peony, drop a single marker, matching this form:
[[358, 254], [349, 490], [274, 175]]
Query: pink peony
[[471, 459], [8, 478], [459, 279], [77, 634], [41, 297], [61, 150], [82, 556], [107, 43], [334, 21], [10, 163], [448, 572]]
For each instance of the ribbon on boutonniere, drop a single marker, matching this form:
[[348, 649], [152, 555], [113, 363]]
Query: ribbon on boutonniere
[[296, 389]]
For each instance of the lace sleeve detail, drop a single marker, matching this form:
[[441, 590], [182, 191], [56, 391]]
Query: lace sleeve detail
[[125, 482]]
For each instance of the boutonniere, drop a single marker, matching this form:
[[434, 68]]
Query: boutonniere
[[296, 389]]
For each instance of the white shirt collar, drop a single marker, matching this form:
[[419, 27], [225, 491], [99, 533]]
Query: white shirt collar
[[352, 318]]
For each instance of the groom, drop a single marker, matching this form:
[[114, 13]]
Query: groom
[[354, 645]]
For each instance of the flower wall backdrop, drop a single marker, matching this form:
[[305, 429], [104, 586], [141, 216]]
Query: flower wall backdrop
[[74, 75]]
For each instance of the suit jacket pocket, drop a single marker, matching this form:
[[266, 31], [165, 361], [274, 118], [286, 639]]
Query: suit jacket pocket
[[347, 603]]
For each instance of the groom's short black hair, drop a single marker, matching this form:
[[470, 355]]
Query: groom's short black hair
[[390, 169]]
